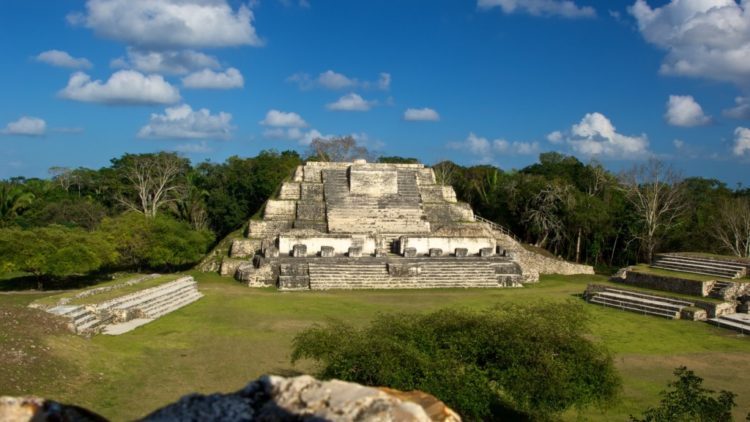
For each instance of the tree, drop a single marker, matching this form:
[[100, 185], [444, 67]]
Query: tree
[[53, 252], [543, 213], [689, 401], [344, 148], [159, 243], [151, 181], [529, 359], [13, 200], [732, 228], [655, 192]]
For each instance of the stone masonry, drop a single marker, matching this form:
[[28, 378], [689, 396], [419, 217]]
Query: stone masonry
[[347, 225]]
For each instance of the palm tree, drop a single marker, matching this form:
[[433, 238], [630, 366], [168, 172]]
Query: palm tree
[[13, 199]]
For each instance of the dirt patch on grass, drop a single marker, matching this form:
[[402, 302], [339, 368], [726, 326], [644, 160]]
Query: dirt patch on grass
[[27, 360]]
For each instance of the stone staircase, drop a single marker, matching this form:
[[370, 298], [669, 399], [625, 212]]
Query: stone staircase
[[696, 265], [418, 273], [127, 312], [738, 321], [717, 290], [407, 184], [642, 303]]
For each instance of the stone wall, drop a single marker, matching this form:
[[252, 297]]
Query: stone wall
[[665, 283], [339, 243], [534, 264], [423, 244], [373, 182]]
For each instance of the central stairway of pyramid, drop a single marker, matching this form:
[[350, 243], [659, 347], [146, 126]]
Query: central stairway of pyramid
[[366, 225]]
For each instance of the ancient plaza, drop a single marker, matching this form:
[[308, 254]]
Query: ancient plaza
[[359, 225]]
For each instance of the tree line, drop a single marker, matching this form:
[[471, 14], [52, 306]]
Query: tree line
[[159, 211]]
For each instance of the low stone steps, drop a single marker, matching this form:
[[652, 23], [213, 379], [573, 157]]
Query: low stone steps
[[634, 306], [147, 304], [699, 266], [718, 288], [644, 303], [738, 321]]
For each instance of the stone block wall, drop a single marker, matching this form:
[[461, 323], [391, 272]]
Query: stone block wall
[[339, 243], [667, 284], [280, 210], [423, 244], [373, 182]]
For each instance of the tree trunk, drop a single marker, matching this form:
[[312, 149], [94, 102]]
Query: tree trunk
[[578, 247]]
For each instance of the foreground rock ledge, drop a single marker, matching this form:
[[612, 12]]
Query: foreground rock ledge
[[269, 398]]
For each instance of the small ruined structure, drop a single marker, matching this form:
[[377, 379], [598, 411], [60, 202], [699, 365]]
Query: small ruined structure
[[682, 286], [126, 312], [364, 225], [267, 399]]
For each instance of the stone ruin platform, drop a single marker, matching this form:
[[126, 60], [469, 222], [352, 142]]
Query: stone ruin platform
[[363, 225], [125, 312]]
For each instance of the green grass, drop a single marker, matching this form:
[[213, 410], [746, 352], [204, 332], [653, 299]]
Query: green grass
[[717, 257], [235, 334]]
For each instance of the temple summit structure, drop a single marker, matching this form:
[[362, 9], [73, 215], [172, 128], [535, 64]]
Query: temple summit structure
[[357, 225]]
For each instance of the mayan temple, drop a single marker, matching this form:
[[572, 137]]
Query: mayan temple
[[365, 225]]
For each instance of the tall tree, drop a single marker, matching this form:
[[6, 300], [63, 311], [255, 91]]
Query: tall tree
[[656, 193], [344, 148], [732, 228], [151, 181], [13, 200]]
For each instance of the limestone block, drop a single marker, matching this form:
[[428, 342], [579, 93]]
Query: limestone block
[[271, 252], [243, 248], [311, 210], [425, 177], [461, 252], [436, 252], [486, 252], [381, 252], [311, 174], [294, 282], [294, 269], [431, 193], [311, 192], [355, 252], [299, 250], [373, 182], [404, 270], [229, 266], [289, 190], [449, 194], [327, 251], [280, 209], [410, 252], [299, 174]]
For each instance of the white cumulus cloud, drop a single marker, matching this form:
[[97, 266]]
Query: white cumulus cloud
[[702, 38], [683, 110], [177, 62], [596, 136], [165, 24], [563, 8], [276, 118], [123, 87], [555, 137], [488, 149], [335, 81], [181, 122], [209, 79], [63, 59], [741, 142], [741, 109], [26, 126], [421, 114], [350, 102]]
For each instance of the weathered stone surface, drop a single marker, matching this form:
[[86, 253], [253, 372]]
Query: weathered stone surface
[[381, 252], [404, 270], [271, 252], [290, 190], [37, 409], [486, 251], [280, 210], [410, 252], [230, 265], [244, 248], [436, 252], [327, 251], [373, 182], [355, 252], [461, 252], [299, 250]]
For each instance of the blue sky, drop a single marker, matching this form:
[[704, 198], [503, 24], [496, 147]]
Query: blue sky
[[475, 81]]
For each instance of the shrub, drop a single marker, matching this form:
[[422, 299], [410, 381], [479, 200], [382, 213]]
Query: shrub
[[534, 359]]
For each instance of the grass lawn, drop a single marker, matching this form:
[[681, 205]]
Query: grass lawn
[[235, 334], [646, 269]]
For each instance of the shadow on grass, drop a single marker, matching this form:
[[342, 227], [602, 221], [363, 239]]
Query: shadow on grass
[[30, 282]]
